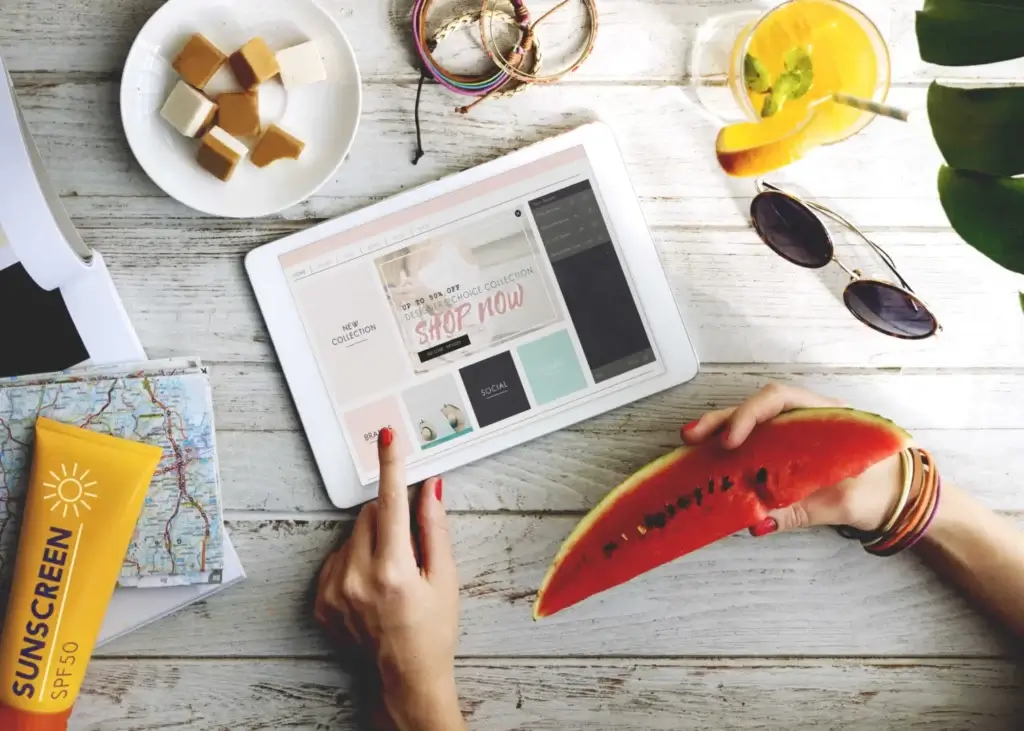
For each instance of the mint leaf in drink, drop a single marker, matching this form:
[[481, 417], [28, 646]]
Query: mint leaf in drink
[[786, 87], [755, 75], [797, 59], [772, 104], [798, 64]]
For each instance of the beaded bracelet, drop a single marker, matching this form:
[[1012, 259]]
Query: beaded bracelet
[[510, 77], [466, 84], [474, 17], [482, 86]]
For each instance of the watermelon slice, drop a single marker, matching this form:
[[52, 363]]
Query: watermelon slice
[[698, 495]]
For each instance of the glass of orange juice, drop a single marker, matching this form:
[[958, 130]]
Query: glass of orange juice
[[783, 69]]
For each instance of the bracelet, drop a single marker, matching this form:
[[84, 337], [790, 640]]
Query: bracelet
[[466, 84], [918, 515], [908, 482], [511, 64], [928, 522], [474, 17], [510, 77], [482, 86], [915, 509]]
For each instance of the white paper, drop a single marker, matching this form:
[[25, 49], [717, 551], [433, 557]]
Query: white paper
[[132, 609]]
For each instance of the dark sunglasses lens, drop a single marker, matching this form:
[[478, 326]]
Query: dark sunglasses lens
[[791, 230], [890, 310]]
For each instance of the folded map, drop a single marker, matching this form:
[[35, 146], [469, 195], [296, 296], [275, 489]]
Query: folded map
[[179, 539]]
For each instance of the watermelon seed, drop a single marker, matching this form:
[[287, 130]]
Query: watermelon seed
[[711, 486], [698, 496], [670, 509], [762, 475], [726, 483], [655, 521], [610, 547], [683, 502]]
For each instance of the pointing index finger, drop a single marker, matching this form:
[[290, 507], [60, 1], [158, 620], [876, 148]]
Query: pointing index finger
[[394, 537]]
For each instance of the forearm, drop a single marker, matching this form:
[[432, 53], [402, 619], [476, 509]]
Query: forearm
[[433, 709], [982, 553]]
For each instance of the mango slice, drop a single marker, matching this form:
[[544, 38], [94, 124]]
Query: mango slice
[[748, 149]]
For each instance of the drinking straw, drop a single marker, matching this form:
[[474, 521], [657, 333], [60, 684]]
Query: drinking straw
[[866, 105]]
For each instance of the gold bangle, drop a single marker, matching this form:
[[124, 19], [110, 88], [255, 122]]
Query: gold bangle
[[908, 481]]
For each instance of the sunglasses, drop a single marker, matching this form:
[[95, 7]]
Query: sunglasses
[[790, 227]]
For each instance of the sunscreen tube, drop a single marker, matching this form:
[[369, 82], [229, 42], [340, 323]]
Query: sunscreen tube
[[83, 501]]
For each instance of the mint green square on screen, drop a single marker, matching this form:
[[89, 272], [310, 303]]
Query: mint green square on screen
[[551, 367]]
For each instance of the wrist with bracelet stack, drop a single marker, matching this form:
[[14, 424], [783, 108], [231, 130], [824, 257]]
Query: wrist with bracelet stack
[[914, 510]]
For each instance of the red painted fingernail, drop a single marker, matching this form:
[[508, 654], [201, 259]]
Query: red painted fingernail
[[438, 489], [386, 436], [766, 526], [692, 425]]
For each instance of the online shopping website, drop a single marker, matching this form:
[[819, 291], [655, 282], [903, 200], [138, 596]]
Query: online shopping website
[[473, 313]]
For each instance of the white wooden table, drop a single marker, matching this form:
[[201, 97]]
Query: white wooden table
[[798, 631]]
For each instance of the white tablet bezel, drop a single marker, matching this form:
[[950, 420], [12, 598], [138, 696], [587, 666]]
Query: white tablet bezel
[[635, 245]]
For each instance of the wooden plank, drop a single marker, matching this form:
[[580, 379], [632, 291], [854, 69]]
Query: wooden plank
[[817, 594], [745, 303], [619, 695], [253, 397], [571, 470], [742, 302], [639, 39], [887, 176], [973, 422]]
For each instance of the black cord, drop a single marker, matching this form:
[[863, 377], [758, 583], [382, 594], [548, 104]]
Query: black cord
[[419, 135]]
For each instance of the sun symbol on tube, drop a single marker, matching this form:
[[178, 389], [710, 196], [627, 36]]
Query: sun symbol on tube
[[70, 490]]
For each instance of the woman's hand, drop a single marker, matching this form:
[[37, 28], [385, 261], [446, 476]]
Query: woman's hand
[[863, 502], [402, 613]]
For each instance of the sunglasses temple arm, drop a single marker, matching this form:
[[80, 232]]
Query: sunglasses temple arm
[[825, 211], [889, 263], [763, 185]]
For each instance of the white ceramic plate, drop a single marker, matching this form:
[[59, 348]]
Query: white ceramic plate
[[324, 116]]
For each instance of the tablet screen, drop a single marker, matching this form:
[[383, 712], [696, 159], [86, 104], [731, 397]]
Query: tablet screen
[[471, 314]]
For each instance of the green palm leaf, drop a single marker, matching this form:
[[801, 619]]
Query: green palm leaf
[[970, 32], [987, 213], [979, 129]]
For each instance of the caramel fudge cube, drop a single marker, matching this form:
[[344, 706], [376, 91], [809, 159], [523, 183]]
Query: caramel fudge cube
[[220, 154], [198, 61], [239, 113], [188, 110], [274, 145], [254, 63]]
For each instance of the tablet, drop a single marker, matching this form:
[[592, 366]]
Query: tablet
[[473, 313]]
